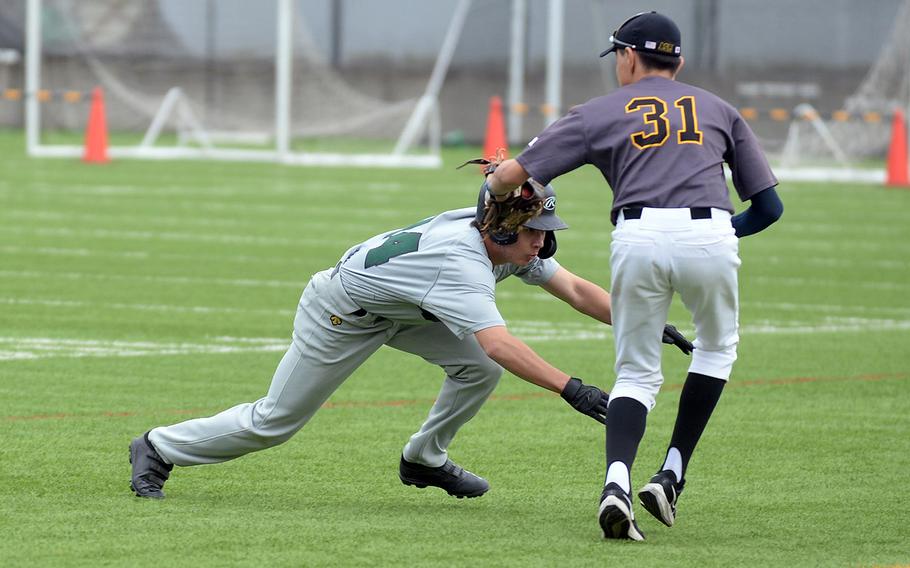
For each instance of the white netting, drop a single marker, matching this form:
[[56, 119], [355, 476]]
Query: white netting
[[138, 50], [862, 132], [887, 85]]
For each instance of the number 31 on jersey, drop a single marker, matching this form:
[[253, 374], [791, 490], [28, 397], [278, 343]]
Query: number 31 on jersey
[[654, 113]]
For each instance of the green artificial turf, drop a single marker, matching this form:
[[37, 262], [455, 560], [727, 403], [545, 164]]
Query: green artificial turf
[[138, 294]]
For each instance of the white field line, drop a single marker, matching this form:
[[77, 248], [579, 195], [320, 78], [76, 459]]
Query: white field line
[[799, 229], [822, 283], [257, 189], [827, 308], [173, 236], [19, 348], [253, 282], [174, 221], [822, 255], [551, 331], [196, 207], [54, 303], [799, 250], [324, 219], [144, 255], [893, 246], [522, 297], [842, 263], [139, 254], [242, 282], [23, 348]]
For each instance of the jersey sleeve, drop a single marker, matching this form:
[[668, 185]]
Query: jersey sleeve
[[747, 160], [559, 149], [464, 299], [538, 271]]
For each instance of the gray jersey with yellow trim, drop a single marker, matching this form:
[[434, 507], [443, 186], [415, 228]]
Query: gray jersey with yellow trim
[[437, 268], [658, 143]]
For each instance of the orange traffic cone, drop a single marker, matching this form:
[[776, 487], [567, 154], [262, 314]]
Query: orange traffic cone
[[495, 139], [96, 131], [897, 152]]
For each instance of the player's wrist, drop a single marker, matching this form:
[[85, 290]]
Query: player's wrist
[[569, 388]]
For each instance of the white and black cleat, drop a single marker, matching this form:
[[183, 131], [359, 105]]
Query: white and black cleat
[[615, 515], [659, 496]]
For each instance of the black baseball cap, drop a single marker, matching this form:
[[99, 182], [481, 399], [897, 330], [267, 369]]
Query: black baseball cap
[[648, 32]]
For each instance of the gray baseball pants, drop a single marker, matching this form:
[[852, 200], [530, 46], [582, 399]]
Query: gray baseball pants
[[329, 343]]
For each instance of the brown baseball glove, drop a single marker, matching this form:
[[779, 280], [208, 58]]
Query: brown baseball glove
[[503, 216], [489, 164], [506, 216]]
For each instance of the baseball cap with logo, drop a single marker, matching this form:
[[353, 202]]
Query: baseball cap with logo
[[548, 220], [648, 32]]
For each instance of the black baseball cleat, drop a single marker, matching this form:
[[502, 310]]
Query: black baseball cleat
[[615, 515], [659, 496], [149, 470], [450, 476]]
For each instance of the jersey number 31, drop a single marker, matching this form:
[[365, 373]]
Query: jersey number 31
[[654, 113]]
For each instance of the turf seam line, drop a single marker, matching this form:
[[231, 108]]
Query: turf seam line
[[866, 377]]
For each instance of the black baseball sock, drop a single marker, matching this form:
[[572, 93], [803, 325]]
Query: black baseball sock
[[699, 396], [626, 419]]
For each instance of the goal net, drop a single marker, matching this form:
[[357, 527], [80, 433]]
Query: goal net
[[850, 144], [227, 79]]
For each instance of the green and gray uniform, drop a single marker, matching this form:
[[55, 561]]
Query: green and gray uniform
[[424, 289]]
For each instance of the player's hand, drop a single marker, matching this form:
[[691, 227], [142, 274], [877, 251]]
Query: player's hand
[[587, 399], [673, 337]]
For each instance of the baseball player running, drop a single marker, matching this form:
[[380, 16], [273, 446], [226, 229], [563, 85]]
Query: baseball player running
[[426, 289], [660, 144]]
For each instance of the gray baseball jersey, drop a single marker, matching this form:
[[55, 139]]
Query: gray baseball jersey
[[659, 143], [437, 268]]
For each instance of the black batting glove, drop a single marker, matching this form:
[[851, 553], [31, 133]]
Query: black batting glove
[[673, 337], [586, 399]]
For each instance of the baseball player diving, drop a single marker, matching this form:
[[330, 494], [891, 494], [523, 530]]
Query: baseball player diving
[[426, 289], [661, 145]]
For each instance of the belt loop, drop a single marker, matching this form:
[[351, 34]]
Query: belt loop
[[700, 212], [631, 213]]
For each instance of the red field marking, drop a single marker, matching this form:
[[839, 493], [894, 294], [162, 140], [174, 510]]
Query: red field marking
[[429, 401]]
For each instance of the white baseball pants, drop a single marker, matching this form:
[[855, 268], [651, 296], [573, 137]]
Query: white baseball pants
[[321, 356], [663, 252]]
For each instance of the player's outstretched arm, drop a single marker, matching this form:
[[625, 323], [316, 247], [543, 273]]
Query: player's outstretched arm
[[516, 357], [583, 295], [506, 177], [592, 300]]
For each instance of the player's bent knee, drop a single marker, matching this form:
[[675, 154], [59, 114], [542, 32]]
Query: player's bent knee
[[276, 427], [718, 364], [644, 392], [484, 371]]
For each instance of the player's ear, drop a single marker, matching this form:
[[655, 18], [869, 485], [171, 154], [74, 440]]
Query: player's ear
[[682, 62], [633, 61]]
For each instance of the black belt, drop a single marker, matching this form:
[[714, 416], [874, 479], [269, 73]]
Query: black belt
[[695, 212], [426, 315]]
